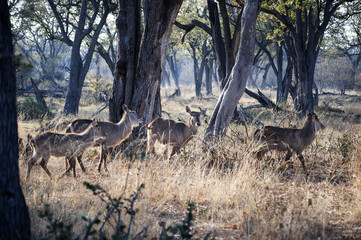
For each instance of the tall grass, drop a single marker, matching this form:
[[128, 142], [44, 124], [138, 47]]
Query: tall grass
[[235, 197]]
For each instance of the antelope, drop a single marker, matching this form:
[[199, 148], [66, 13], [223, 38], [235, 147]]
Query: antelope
[[116, 134], [63, 144], [288, 139], [176, 134]]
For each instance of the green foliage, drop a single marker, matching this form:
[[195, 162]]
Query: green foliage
[[56, 229], [183, 229], [98, 87], [113, 216], [30, 109], [345, 145]]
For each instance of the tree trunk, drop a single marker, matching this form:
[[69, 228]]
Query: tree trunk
[[158, 27], [218, 43], [173, 66], [208, 70], [140, 63], [195, 68], [236, 84], [129, 36], [165, 78], [199, 79], [227, 37], [14, 215], [39, 97]]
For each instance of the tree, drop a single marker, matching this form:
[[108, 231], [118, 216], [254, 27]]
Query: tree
[[275, 49], [344, 39], [46, 56], [306, 22], [174, 66], [198, 69], [14, 215], [224, 47], [92, 15], [236, 84], [140, 61], [335, 72]]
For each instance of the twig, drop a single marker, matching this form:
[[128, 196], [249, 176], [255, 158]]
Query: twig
[[101, 109]]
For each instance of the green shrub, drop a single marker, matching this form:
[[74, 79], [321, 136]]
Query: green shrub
[[345, 145], [30, 109]]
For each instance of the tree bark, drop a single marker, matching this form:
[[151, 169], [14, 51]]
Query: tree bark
[[195, 68], [138, 85], [129, 37], [199, 76], [174, 68], [218, 43], [208, 70], [158, 27], [236, 84], [165, 78], [39, 97], [14, 215]]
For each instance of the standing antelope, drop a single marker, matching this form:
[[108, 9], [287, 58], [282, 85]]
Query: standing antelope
[[176, 134], [63, 144], [116, 133], [288, 139]]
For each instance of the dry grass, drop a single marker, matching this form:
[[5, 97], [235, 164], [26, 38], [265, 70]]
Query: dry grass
[[234, 198]]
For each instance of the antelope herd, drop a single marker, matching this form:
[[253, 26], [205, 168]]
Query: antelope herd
[[85, 133]]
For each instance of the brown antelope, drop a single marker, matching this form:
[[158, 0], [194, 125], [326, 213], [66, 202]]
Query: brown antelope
[[288, 139], [176, 134], [116, 133], [63, 144]]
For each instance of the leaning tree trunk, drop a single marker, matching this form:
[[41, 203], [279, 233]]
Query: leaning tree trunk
[[160, 16], [236, 83], [14, 215]]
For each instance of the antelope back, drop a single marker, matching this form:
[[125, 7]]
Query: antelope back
[[78, 125]]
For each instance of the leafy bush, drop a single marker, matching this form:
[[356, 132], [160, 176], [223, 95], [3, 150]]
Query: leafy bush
[[345, 145], [30, 109]]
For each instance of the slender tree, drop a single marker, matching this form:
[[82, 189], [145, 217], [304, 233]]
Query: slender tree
[[306, 21], [236, 84], [14, 215], [89, 12]]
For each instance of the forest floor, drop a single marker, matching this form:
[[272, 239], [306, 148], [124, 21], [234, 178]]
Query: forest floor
[[234, 196]]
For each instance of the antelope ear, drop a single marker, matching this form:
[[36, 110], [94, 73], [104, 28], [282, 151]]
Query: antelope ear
[[125, 107], [203, 111], [188, 110]]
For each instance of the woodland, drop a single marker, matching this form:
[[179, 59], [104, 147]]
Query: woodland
[[220, 75]]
